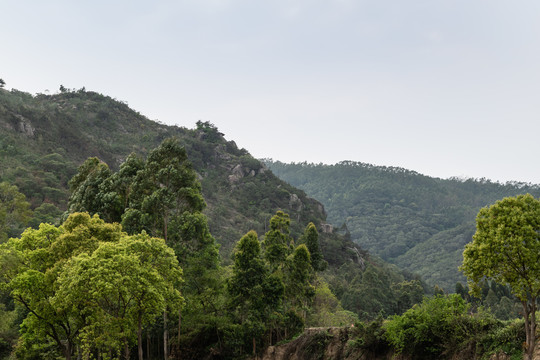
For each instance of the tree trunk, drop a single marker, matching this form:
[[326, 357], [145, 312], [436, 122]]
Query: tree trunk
[[529, 313], [165, 337], [147, 345], [179, 328], [139, 338], [126, 349], [67, 350]]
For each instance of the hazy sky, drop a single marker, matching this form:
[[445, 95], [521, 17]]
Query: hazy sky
[[446, 88]]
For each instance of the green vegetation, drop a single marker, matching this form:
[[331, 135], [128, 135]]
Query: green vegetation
[[419, 223], [443, 327], [506, 248], [87, 285], [144, 239]]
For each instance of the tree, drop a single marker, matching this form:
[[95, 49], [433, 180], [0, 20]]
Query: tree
[[2, 83], [92, 191], [506, 248], [297, 273], [311, 239], [122, 286], [276, 241], [88, 283], [251, 288], [14, 211], [165, 189], [163, 197]]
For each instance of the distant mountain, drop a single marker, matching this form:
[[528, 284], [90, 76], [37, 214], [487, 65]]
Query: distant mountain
[[417, 222]]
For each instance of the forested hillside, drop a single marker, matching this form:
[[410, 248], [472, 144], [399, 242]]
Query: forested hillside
[[112, 200], [45, 141], [414, 221], [44, 138]]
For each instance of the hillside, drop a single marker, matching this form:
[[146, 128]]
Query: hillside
[[414, 221], [43, 139]]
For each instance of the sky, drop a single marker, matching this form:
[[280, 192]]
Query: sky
[[442, 87]]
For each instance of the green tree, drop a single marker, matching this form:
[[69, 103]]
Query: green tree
[[164, 190], [92, 191], [88, 283], [14, 211], [505, 248], [161, 196], [425, 331], [298, 272], [252, 290], [277, 240], [311, 239], [122, 286]]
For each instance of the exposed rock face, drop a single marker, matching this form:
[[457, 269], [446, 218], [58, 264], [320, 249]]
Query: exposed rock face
[[236, 174], [24, 126], [327, 228], [295, 203], [320, 343]]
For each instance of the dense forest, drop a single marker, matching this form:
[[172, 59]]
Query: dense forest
[[419, 223], [121, 237]]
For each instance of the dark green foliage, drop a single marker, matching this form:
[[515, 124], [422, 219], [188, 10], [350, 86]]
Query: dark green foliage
[[311, 239], [277, 241], [416, 222], [368, 338], [14, 211]]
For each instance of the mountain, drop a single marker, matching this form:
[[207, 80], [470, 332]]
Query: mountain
[[415, 221]]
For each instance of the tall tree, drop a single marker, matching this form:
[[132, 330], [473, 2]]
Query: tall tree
[[162, 196], [311, 239], [164, 190], [253, 291], [92, 191], [506, 248], [277, 240]]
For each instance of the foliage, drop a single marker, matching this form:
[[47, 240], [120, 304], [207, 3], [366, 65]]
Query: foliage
[[368, 337], [416, 222], [438, 326], [87, 283], [505, 248], [14, 211]]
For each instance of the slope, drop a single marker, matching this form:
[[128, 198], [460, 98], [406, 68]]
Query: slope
[[414, 221]]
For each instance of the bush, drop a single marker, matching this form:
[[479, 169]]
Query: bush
[[438, 325]]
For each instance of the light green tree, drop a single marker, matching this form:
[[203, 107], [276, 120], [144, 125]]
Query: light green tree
[[506, 248], [122, 287], [88, 283]]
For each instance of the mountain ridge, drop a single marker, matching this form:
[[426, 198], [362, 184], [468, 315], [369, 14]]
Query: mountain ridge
[[415, 221]]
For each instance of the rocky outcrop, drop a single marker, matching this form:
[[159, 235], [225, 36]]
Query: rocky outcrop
[[24, 126], [321, 343], [327, 228], [295, 203]]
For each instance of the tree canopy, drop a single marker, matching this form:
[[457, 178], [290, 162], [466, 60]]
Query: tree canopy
[[88, 283], [506, 248]]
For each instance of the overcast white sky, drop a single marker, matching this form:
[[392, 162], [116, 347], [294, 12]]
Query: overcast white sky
[[443, 87]]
